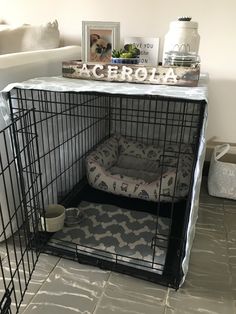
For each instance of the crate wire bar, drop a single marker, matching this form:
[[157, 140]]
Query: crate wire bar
[[70, 125], [19, 204]]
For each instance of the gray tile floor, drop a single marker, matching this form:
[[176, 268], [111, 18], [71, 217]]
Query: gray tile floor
[[62, 286]]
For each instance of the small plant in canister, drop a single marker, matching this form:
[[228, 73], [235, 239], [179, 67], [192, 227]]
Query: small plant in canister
[[127, 55]]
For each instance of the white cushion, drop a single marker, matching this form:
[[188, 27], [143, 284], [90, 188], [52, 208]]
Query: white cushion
[[29, 37], [18, 67], [3, 26]]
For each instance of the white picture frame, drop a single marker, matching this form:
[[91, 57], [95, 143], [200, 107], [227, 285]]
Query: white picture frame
[[149, 48], [98, 40]]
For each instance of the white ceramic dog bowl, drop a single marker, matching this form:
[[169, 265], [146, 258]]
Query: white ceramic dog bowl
[[54, 218]]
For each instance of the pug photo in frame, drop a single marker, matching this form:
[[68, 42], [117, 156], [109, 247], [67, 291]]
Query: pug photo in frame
[[98, 40]]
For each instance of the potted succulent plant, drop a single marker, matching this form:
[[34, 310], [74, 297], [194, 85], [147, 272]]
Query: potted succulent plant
[[127, 55]]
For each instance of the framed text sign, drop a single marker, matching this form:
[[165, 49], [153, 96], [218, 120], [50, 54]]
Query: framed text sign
[[149, 49]]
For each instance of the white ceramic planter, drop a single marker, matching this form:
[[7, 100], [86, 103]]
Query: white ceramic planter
[[125, 60]]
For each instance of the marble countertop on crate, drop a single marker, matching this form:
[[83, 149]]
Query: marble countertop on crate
[[59, 83]]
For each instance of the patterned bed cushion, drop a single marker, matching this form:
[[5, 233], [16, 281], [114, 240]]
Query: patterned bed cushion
[[106, 154], [138, 175], [140, 150], [133, 169], [131, 162]]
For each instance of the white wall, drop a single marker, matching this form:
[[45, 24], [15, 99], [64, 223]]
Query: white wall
[[217, 25]]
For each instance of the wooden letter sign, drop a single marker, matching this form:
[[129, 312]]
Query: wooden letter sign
[[183, 76]]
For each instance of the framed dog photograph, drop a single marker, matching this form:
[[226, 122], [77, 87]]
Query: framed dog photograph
[[99, 39]]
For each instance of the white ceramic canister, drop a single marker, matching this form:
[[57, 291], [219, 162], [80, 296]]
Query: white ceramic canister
[[182, 37]]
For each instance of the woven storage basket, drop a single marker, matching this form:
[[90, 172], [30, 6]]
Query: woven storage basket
[[222, 175]]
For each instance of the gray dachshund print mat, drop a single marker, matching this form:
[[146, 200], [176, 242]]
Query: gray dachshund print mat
[[116, 233]]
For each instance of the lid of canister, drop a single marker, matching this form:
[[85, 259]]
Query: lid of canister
[[184, 22]]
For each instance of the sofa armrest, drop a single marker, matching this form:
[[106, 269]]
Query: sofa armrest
[[18, 67]]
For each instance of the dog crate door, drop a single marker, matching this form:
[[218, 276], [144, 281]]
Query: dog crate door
[[20, 208]]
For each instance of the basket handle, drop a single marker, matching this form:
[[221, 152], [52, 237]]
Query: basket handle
[[220, 151]]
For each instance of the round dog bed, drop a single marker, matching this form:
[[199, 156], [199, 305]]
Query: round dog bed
[[137, 170]]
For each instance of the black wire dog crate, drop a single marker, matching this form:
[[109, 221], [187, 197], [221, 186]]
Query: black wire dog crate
[[53, 136]]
